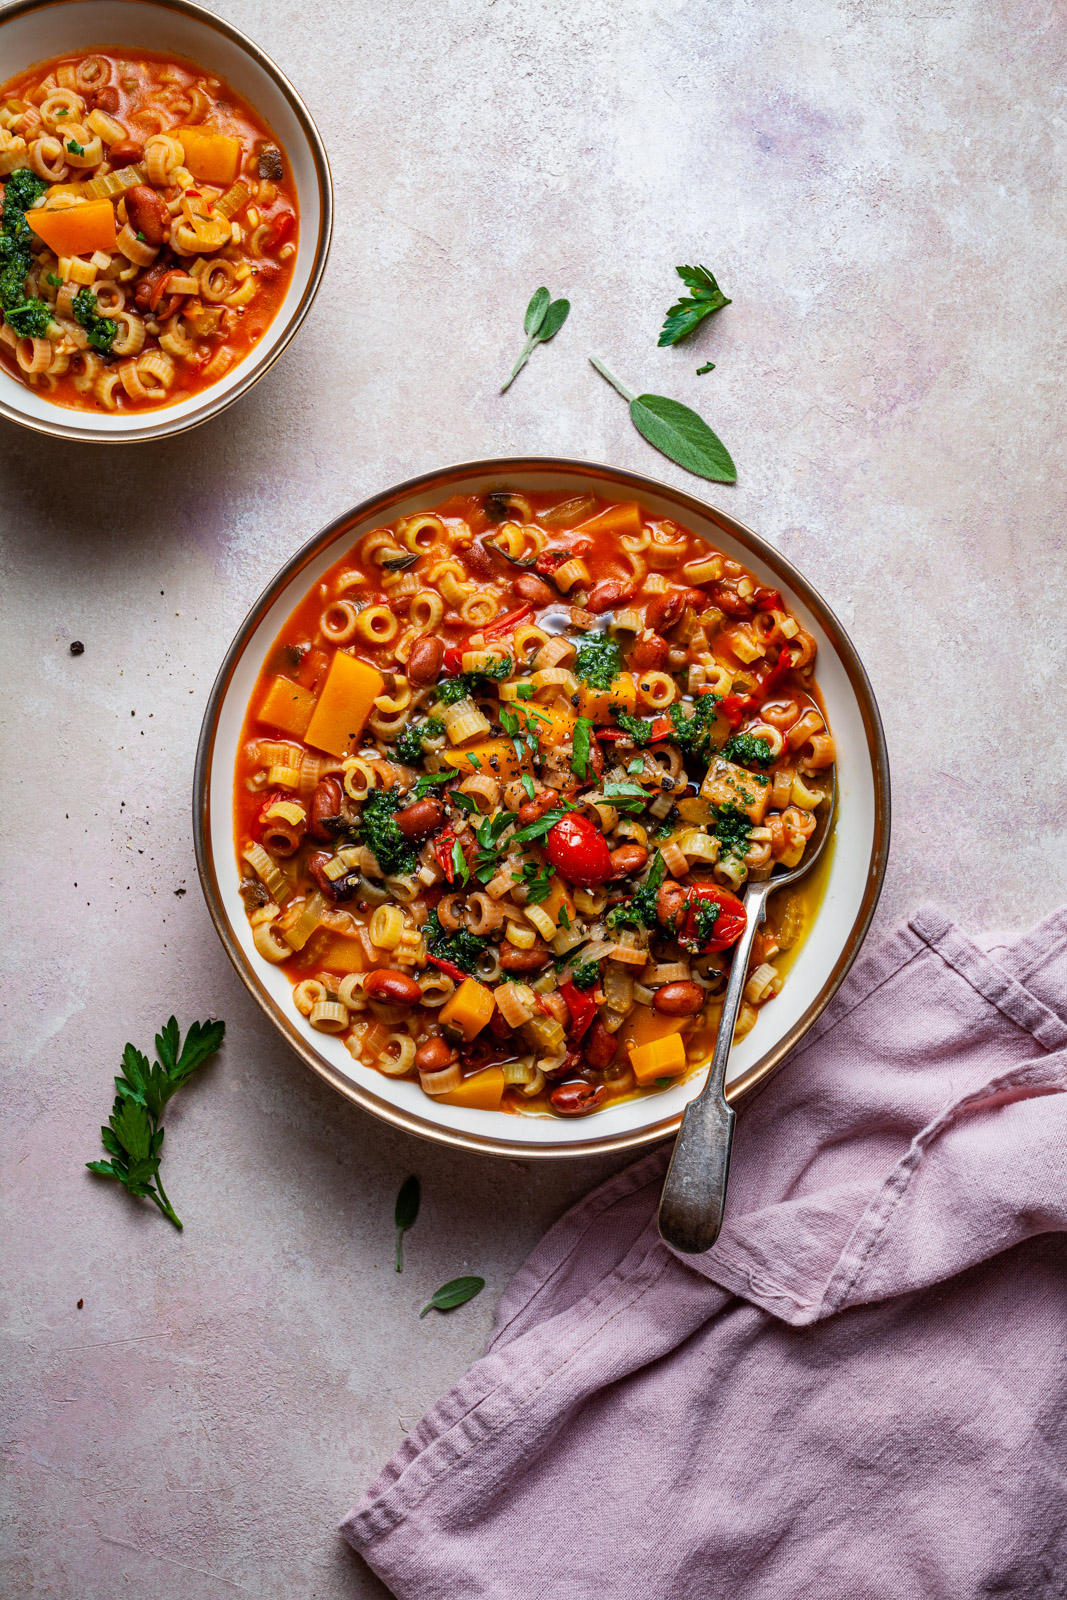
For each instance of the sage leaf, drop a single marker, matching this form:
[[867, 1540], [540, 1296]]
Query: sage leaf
[[544, 318], [455, 1293], [677, 431], [684, 436], [555, 317], [405, 1213], [535, 311]]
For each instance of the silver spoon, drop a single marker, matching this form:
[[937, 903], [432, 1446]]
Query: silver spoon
[[694, 1192]]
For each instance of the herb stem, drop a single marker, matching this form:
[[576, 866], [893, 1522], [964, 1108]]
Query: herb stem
[[165, 1206], [527, 352], [615, 384]]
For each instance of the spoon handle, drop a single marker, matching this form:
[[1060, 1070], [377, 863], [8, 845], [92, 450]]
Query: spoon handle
[[694, 1192]]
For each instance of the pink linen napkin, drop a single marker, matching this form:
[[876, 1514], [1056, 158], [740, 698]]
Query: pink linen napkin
[[861, 1391]]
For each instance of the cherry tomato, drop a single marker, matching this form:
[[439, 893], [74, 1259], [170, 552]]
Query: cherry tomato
[[730, 923], [578, 851]]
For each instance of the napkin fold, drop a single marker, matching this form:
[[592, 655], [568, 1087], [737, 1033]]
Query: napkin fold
[[862, 1386]]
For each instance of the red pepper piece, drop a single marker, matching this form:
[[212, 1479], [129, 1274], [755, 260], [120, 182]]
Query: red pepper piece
[[662, 728], [774, 675], [283, 227], [160, 288], [581, 1006], [442, 849], [449, 967], [453, 658], [578, 851], [736, 707], [505, 624]]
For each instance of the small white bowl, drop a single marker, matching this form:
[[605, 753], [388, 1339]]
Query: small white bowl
[[859, 850], [35, 30]]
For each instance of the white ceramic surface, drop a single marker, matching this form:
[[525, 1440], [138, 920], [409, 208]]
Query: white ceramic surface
[[858, 848], [32, 32]]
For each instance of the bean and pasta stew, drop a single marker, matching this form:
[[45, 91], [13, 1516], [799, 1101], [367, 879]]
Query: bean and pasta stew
[[148, 229], [502, 777]]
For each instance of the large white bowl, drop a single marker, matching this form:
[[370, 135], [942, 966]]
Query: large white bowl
[[859, 849], [34, 30]]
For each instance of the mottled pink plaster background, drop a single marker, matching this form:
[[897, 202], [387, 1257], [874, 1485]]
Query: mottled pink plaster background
[[879, 188]]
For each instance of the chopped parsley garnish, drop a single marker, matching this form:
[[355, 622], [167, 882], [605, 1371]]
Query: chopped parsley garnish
[[452, 690], [463, 949], [525, 691], [489, 833], [580, 747], [733, 831], [693, 733], [640, 910], [527, 783], [538, 829], [428, 781], [599, 662], [586, 975], [748, 749], [54, 279], [101, 330], [537, 880], [459, 862], [626, 796], [639, 728], [411, 739], [74, 148], [28, 317], [705, 916], [393, 853]]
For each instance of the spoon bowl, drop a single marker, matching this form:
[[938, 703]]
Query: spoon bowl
[[694, 1191]]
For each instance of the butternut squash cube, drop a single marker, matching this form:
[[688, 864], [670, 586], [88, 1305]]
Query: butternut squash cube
[[348, 694], [597, 703], [77, 232], [624, 518], [469, 1008], [287, 706], [342, 954], [660, 1058], [496, 757], [483, 1091], [728, 785], [210, 156], [552, 724]]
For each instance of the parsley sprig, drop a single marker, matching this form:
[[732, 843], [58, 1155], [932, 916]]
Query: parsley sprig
[[133, 1137], [537, 880], [691, 310]]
